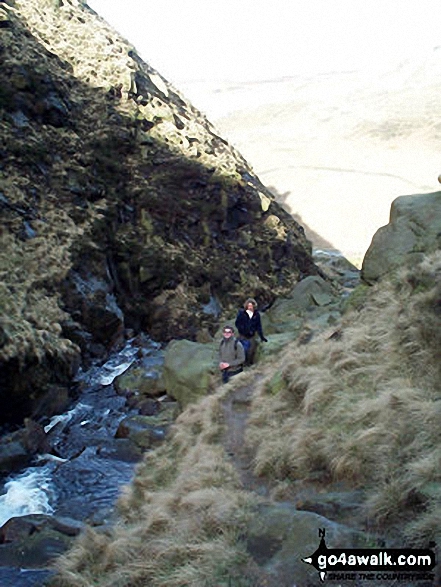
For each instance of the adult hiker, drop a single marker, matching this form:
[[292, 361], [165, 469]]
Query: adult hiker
[[248, 323], [231, 354]]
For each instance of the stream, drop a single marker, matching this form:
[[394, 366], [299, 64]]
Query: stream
[[84, 481]]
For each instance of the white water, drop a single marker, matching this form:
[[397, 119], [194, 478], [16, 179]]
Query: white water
[[118, 364], [29, 493], [32, 492], [111, 372], [63, 419], [107, 373]]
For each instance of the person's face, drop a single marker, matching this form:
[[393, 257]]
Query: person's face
[[250, 307], [228, 333]]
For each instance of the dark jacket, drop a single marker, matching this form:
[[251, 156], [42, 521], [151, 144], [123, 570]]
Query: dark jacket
[[247, 326]]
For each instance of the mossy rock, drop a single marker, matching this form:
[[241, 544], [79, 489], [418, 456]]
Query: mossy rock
[[414, 229], [145, 382], [35, 541], [188, 368], [283, 316], [275, 344], [144, 431], [279, 537]]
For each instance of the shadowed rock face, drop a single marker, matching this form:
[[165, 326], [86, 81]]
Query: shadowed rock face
[[121, 206]]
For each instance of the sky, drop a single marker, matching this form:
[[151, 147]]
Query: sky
[[248, 40]]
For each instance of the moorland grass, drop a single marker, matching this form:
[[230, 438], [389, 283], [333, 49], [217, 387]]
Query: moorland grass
[[181, 519], [361, 407]]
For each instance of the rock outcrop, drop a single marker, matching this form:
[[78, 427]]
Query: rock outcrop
[[121, 205], [414, 230]]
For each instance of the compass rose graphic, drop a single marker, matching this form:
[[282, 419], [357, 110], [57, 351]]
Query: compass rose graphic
[[313, 559]]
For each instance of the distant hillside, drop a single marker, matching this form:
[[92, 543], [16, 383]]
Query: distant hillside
[[338, 147], [121, 205]]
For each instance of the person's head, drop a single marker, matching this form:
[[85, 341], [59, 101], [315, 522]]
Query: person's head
[[228, 332], [250, 304]]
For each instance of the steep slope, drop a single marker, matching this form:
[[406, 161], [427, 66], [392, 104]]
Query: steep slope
[[343, 428], [121, 206]]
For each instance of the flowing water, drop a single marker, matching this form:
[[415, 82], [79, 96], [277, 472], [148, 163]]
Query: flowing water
[[27, 493], [84, 478]]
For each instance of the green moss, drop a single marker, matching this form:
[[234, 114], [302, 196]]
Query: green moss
[[276, 384], [207, 233], [32, 152], [357, 299], [146, 222]]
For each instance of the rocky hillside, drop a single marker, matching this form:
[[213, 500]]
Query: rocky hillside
[[338, 433], [121, 205]]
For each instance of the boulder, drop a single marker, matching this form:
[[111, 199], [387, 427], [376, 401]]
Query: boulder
[[147, 431], [414, 229], [142, 381], [21, 527], [30, 386], [90, 296], [344, 506], [147, 406], [13, 455], [282, 317], [279, 536], [311, 291], [310, 297], [188, 367], [275, 343], [54, 399], [18, 447], [338, 269], [35, 540]]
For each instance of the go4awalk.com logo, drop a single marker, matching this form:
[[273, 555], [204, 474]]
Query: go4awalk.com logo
[[375, 564]]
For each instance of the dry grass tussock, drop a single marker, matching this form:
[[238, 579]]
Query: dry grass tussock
[[30, 311], [180, 520], [362, 407], [365, 407]]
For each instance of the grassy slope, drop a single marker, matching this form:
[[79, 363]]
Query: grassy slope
[[181, 519], [361, 407]]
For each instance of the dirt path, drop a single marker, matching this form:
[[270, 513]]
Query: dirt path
[[236, 411]]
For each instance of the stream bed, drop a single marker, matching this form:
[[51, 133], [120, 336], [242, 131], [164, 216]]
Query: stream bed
[[83, 477]]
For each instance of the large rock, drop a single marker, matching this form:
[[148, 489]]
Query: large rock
[[142, 381], [35, 540], [414, 229], [279, 537], [276, 343], [29, 383], [90, 297], [19, 447], [147, 431], [188, 367], [310, 296]]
